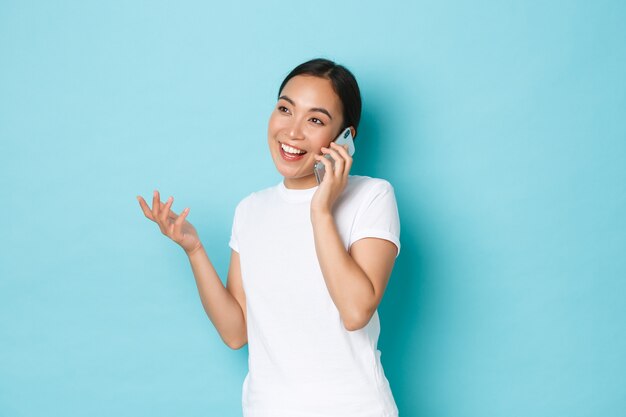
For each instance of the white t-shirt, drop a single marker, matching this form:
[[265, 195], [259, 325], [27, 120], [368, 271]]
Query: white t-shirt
[[302, 361]]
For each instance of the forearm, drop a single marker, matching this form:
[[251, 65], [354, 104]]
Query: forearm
[[219, 304], [349, 287]]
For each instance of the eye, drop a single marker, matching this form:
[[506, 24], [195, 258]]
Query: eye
[[316, 121], [283, 109]]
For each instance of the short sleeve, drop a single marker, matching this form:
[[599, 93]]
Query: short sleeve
[[234, 234], [378, 216]]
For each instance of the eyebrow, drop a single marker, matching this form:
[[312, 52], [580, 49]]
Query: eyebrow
[[319, 109]]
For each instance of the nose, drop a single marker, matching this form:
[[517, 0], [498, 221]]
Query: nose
[[295, 130]]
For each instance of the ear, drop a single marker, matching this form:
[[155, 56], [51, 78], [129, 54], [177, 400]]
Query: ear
[[353, 130]]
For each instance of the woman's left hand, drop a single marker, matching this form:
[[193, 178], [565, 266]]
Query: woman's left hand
[[334, 181]]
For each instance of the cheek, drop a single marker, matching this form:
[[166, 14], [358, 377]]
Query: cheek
[[276, 123], [321, 140], [271, 123]]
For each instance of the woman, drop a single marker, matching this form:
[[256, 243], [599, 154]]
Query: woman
[[309, 263]]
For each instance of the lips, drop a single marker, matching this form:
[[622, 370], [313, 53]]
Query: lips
[[289, 156]]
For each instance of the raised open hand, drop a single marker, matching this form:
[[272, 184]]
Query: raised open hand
[[171, 224]]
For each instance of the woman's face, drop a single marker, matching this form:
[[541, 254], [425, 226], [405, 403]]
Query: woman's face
[[306, 118]]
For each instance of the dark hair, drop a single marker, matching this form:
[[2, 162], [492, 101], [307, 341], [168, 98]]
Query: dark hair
[[343, 82]]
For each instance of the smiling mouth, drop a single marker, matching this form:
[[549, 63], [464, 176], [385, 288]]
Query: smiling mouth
[[289, 153]]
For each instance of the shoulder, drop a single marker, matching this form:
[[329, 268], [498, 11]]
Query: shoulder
[[257, 197], [361, 185], [362, 191]]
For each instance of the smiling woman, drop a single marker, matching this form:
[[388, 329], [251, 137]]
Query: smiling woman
[[309, 262], [300, 127]]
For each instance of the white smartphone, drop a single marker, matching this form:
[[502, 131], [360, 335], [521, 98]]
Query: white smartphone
[[344, 138]]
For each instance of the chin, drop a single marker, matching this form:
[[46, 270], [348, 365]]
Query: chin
[[290, 174]]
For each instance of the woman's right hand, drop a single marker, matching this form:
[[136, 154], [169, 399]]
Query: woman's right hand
[[171, 224]]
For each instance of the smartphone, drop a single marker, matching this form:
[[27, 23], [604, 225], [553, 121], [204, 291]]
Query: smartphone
[[344, 138]]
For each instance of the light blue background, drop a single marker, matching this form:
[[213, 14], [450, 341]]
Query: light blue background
[[501, 125]]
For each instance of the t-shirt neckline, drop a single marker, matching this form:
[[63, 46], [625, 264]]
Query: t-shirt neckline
[[296, 195]]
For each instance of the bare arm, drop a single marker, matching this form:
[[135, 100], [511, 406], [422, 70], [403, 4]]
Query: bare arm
[[357, 280], [226, 307]]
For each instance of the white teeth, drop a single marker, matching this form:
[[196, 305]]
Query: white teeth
[[289, 149]]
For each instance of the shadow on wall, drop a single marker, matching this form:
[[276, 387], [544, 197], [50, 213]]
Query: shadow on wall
[[399, 311]]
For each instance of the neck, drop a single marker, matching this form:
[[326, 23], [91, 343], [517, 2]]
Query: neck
[[301, 183]]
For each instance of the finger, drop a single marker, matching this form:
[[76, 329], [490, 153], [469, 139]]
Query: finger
[[339, 162], [328, 166], [171, 214], [156, 204], [145, 208], [165, 210], [178, 224], [346, 169], [343, 150]]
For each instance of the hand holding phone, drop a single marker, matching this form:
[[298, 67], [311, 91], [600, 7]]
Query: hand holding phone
[[344, 138]]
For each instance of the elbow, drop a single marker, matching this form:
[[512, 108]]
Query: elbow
[[357, 321], [236, 345], [351, 327], [235, 339]]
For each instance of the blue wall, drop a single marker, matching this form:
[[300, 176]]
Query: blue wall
[[502, 126]]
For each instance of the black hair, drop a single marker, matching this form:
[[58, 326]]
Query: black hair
[[343, 82]]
